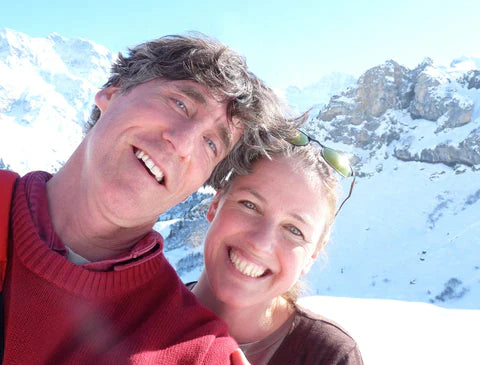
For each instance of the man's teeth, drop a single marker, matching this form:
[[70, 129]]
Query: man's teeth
[[154, 169], [246, 267]]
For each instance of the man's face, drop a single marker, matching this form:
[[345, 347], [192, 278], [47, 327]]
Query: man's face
[[153, 147]]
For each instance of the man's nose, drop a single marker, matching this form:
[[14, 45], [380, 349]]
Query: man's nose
[[183, 137]]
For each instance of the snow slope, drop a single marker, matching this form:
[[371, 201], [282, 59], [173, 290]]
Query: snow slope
[[399, 333]]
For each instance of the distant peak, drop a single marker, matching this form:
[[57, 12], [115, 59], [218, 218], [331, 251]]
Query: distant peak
[[392, 62], [466, 63], [55, 36], [427, 61]]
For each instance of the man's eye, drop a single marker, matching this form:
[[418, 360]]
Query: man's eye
[[249, 205], [211, 145], [181, 105], [295, 231]]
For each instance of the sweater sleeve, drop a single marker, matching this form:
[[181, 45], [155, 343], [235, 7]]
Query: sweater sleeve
[[220, 351]]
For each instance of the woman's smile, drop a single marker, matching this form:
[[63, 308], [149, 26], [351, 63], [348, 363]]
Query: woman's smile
[[245, 266]]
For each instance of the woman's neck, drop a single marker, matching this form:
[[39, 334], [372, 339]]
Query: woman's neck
[[262, 319]]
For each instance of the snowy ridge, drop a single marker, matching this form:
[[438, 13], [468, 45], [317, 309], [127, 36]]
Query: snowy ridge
[[46, 92]]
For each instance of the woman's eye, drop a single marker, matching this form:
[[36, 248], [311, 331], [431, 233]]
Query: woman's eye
[[181, 105], [295, 231], [211, 145], [249, 205]]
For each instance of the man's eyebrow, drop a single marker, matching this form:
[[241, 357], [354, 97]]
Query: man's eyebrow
[[225, 136], [194, 94]]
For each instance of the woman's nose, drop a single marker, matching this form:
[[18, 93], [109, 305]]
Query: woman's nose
[[261, 237]]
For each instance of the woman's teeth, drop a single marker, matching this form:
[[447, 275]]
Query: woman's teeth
[[246, 267], [154, 169]]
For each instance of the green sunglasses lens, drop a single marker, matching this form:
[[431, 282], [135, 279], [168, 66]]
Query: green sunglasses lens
[[338, 160], [301, 139]]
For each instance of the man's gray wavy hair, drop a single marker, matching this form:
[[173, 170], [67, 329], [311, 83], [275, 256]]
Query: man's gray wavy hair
[[207, 61]]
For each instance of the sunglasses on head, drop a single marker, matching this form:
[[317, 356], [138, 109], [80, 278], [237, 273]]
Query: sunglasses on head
[[337, 160]]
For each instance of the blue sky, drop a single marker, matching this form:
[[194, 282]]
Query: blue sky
[[285, 42]]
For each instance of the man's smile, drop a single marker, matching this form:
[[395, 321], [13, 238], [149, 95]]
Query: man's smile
[[153, 169]]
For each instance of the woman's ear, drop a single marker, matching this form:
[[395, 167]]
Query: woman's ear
[[311, 259], [212, 209], [104, 96]]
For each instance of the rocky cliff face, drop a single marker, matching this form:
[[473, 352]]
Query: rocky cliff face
[[390, 101]]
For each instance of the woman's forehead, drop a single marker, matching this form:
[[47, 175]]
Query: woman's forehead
[[282, 178], [284, 169]]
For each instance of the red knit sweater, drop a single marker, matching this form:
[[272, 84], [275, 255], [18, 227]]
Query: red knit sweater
[[60, 313]]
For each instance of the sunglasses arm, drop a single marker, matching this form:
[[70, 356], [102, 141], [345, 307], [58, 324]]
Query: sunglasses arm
[[349, 193]]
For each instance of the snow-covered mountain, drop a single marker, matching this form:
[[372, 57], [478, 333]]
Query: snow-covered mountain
[[47, 87], [411, 230]]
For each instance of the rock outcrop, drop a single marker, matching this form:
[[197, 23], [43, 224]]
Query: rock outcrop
[[390, 101]]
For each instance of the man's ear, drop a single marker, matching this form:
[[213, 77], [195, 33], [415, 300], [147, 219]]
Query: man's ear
[[104, 96], [212, 209]]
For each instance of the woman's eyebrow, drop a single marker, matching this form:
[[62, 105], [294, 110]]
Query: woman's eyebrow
[[253, 192], [298, 217]]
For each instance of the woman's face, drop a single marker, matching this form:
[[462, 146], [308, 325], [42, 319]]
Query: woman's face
[[264, 232]]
